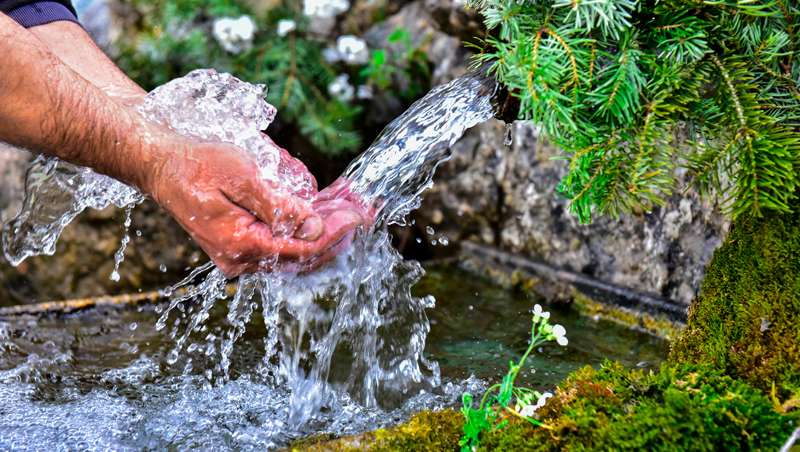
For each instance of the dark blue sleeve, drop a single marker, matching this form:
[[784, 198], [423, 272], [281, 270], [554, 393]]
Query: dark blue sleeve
[[33, 13]]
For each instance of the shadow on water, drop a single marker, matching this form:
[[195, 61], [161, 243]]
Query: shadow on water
[[100, 377]]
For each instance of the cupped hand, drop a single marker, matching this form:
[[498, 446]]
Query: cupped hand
[[214, 191]]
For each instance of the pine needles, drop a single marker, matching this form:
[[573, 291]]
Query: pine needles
[[632, 90]]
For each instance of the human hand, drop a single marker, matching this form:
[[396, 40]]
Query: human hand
[[290, 164], [243, 223]]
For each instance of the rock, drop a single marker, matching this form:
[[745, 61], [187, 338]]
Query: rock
[[84, 259], [13, 164], [454, 18], [506, 197]]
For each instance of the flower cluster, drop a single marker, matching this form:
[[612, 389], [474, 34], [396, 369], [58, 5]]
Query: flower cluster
[[325, 8], [235, 35], [551, 332], [528, 410]]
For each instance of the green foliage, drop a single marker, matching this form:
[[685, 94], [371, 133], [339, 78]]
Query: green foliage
[[631, 90], [425, 431], [745, 318], [409, 64], [679, 407], [496, 401], [175, 37]]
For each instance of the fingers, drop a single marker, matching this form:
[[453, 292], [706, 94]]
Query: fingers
[[259, 250], [337, 226], [285, 214]]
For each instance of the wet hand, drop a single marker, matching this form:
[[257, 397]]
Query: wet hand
[[243, 223]]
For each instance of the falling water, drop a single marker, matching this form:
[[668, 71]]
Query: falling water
[[348, 333]]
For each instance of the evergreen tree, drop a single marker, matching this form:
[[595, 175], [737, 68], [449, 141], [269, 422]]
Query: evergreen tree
[[633, 90]]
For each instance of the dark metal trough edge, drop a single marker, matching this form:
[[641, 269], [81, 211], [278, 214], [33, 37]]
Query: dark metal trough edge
[[608, 293]]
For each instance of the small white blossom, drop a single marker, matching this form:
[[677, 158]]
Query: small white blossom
[[286, 26], [543, 399], [341, 88], [364, 92], [234, 35], [331, 55], [352, 49], [528, 410], [325, 8], [539, 313], [559, 332]]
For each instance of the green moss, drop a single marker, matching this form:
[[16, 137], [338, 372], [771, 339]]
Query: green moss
[[656, 325], [745, 320], [427, 430], [677, 408], [680, 407]]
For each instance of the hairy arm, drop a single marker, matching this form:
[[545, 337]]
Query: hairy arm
[[75, 48], [212, 189], [47, 107]]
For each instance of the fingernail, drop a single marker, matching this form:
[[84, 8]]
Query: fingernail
[[311, 229]]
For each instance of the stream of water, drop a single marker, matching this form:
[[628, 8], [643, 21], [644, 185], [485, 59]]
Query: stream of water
[[347, 337]]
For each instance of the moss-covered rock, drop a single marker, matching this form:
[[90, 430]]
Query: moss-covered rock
[[681, 407], [747, 317], [427, 430]]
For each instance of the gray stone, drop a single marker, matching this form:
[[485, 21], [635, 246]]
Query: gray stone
[[505, 196]]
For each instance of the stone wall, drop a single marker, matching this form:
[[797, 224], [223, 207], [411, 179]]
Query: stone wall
[[505, 196], [84, 260]]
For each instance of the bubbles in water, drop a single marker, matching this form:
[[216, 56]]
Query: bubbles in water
[[508, 140], [119, 256], [349, 335]]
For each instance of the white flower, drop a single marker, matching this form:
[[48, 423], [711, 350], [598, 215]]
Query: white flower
[[331, 55], [234, 35], [539, 313], [352, 49], [341, 88], [543, 399], [528, 410], [364, 92], [286, 26], [559, 332], [325, 8]]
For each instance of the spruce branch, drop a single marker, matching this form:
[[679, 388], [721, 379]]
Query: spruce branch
[[631, 90]]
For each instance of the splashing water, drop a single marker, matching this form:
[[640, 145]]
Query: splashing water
[[350, 332]]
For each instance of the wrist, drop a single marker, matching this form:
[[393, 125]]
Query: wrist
[[142, 155]]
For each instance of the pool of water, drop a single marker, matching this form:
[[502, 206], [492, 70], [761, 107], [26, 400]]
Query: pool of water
[[100, 378]]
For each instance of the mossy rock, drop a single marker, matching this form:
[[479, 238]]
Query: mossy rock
[[680, 407], [427, 430], [746, 319]]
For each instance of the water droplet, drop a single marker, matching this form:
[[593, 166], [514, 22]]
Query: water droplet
[[508, 141], [162, 268], [133, 326], [429, 230]]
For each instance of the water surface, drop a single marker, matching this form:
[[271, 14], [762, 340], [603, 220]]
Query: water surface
[[100, 378]]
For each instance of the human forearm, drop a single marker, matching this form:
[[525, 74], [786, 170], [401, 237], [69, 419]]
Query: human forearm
[[73, 46], [47, 107]]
